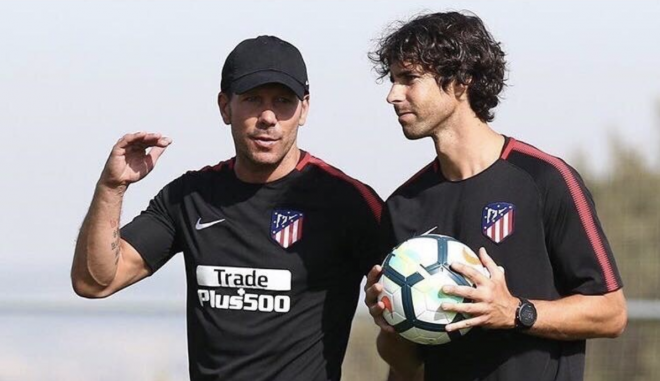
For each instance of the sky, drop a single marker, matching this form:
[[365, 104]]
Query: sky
[[77, 75]]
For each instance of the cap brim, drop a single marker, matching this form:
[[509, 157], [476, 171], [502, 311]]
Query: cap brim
[[250, 81]]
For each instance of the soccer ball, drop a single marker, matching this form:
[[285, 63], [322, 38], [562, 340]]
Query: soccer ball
[[413, 276]]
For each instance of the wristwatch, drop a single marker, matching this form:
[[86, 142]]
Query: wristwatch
[[525, 315]]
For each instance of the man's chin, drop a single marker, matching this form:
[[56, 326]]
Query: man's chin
[[265, 160], [412, 135]]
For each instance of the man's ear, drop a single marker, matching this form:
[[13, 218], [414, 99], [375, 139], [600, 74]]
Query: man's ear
[[305, 109], [461, 90], [225, 109]]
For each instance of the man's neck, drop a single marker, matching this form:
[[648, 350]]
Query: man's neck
[[467, 148]]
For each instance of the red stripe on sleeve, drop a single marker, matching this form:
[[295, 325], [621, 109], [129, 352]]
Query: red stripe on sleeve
[[509, 146], [583, 208], [303, 161], [371, 199], [215, 168], [218, 167]]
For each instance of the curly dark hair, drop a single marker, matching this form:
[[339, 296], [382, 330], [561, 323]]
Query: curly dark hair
[[452, 46]]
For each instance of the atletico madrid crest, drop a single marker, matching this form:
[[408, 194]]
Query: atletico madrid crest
[[498, 221], [286, 227]]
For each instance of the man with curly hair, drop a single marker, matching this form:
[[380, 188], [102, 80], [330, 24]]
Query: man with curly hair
[[553, 279]]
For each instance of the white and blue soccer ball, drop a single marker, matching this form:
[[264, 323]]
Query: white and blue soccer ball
[[413, 276]]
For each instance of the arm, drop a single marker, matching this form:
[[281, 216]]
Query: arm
[[581, 317], [398, 352], [103, 263], [573, 317], [401, 355]]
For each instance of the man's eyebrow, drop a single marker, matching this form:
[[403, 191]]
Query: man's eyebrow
[[408, 72], [403, 73]]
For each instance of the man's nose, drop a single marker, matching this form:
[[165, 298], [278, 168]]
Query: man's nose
[[396, 94], [267, 118]]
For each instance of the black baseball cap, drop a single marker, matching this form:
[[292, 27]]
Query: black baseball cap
[[265, 59]]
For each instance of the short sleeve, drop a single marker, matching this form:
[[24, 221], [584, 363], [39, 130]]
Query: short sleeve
[[581, 256], [153, 232], [365, 219]]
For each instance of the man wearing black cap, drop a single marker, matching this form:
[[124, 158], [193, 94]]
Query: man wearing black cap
[[275, 240]]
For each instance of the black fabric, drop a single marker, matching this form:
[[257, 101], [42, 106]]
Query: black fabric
[[339, 243], [548, 256], [261, 60]]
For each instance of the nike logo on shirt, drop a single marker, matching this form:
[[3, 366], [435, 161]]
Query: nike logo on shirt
[[200, 225]]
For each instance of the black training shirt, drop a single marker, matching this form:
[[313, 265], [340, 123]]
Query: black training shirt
[[535, 217], [273, 270]]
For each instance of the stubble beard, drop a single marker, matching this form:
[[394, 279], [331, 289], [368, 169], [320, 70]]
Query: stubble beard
[[416, 131], [265, 162]]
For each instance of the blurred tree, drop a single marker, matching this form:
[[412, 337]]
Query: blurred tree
[[628, 203]]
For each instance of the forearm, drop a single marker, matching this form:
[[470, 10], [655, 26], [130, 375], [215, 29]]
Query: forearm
[[581, 317], [98, 248], [401, 355]]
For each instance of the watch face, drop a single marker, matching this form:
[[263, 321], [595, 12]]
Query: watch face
[[527, 315]]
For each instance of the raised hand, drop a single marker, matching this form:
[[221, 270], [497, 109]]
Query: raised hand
[[372, 289], [132, 158], [493, 305]]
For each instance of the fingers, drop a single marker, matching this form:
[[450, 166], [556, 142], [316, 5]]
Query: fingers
[[148, 145], [476, 314], [373, 276], [155, 153], [127, 139], [372, 290], [461, 291], [143, 140], [467, 323], [491, 299], [377, 308], [132, 158], [376, 311], [490, 265], [476, 276], [371, 297], [465, 308], [470, 272]]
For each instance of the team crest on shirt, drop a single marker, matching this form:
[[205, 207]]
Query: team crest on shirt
[[498, 220], [286, 226]]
